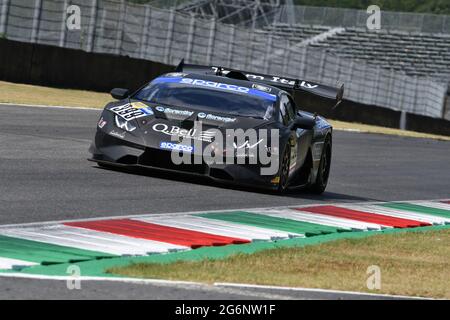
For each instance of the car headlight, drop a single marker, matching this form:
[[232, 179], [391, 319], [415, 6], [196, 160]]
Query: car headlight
[[123, 124]]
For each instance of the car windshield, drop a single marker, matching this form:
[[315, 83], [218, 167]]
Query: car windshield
[[209, 99]]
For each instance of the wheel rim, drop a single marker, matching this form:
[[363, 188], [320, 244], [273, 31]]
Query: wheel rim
[[285, 170], [325, 170]]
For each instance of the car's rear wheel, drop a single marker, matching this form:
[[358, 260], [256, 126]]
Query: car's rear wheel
[[323, 174], [284, 170]]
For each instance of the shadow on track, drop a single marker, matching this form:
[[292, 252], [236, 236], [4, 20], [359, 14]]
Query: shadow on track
[[205, 181]]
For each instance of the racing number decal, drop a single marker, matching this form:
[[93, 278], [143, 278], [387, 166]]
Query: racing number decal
[[129, 112]]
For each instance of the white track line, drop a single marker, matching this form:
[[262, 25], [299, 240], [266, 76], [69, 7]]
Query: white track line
[[7, 264], [44, 106], [86, 278], [253, 286]]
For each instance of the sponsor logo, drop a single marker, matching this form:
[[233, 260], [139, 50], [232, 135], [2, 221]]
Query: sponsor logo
[[124, 124], [176, 147], [262, 88], [176, 74], [235, 146], [116, 134], [247, 145], [303, 84], [250, 76], [213, 117], [217, 85], [194, 134], [175, 111], [101, 123]]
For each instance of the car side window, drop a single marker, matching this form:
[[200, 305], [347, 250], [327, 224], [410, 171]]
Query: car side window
[[287, 111], [283, 113], [290, 106]]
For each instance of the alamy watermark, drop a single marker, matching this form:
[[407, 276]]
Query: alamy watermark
[[74, 283], [73, 21], [374, 19], [374, 278], [216, 147]]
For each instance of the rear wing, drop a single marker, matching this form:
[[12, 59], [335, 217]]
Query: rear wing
[[293, 85]]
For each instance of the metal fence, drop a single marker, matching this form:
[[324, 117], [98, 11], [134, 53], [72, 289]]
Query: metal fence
[[162, 35], [284, 11], [339, 17]]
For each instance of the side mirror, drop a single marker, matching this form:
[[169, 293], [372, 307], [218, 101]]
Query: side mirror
[[119, 93], [305, 123]]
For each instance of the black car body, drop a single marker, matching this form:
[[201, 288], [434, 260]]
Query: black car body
[[144, 129]]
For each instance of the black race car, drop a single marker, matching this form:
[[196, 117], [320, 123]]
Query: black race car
[[214, 122]]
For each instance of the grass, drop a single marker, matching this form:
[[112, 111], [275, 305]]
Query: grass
[[413, 263], [38, 95]]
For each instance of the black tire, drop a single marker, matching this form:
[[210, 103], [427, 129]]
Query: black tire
[[319, 186], [284, 170]]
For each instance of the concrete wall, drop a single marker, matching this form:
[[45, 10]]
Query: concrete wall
[[69, 68], [447, 107]]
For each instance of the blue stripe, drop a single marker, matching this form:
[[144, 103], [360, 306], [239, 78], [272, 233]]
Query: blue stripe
[[262, 94], [167, 80]]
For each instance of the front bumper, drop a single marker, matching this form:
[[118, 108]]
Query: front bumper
[[110, 150]]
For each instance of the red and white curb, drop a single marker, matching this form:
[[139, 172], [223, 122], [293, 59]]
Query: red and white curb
[[222, 228], [319, 219], [27, 245]]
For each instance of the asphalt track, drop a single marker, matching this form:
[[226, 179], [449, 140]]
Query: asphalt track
[[45, 176]]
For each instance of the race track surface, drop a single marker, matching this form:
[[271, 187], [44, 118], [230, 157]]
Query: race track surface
[[45, 175]]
